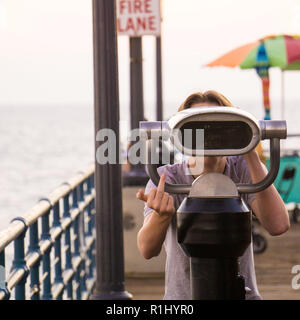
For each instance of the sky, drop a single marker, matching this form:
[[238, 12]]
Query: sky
[[46, 54]]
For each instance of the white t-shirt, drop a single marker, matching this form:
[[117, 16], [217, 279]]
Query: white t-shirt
[[177, 270]]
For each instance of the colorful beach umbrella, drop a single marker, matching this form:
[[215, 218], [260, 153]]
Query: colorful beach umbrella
[[281, 51]]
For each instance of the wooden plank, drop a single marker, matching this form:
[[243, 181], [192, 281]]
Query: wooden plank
[[274, 266]]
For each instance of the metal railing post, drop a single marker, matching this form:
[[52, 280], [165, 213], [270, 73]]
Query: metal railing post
[[76, 244], [89, 231], [68, 255], [82, 244], [34, 274], [3, 283], [46, 237], [19, 261], [58, 279]]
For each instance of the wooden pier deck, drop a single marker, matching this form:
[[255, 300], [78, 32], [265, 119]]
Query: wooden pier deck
[[273, 270]]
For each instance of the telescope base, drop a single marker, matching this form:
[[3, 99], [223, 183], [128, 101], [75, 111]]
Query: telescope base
[[216, 279]]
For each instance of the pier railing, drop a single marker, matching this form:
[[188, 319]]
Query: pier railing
[[59, 234]]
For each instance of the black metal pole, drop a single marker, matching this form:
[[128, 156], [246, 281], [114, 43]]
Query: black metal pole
[[159, 103], [108, 184], [136, 82], [136, 97]]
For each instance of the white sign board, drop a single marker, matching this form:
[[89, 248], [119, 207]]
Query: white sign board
[[138, 18]]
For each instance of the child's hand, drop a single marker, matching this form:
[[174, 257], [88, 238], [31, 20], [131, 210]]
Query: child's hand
[[157, 199]]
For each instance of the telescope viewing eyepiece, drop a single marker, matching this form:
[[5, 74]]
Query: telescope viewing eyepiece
[[226, 131]]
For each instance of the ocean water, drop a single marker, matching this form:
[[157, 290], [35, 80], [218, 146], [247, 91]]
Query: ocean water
[[40, 147], [43, 146]]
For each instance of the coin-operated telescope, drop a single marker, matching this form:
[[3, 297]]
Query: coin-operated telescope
[[213, 221]]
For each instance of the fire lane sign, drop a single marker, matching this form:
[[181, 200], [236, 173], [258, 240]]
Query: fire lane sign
[[138, 18]]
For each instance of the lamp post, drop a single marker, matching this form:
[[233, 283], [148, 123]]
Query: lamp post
[[108, 183]]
